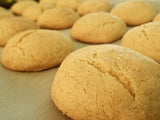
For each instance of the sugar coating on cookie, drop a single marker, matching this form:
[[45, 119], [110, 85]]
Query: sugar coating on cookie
[[20, 6], [99, 27], [144, 39], [157, 18], [108, 82], [90, 6], [73, 4], [33, 12], [36, 50], [58, 18], [13, 25], [134, 12], [53, 2]]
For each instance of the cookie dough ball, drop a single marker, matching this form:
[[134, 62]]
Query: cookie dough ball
[[99, 27], [90, 6], [33, 12], [58, 18], [53, 2], [36, 50], [157, 18], [73, 4], [134, 12], [20, 6], [13, 25], [144, 39], [108, 82]]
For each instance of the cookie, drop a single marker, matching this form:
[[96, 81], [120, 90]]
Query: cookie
[[2, 9], [58, 18], [134, 12], [5, 14], [33, 12], [19, 7], [73, 4], [13, 25], [36, 50], [99, 27], [144, 39], [157, 18], [108, 82], [90, 6], [53, 2]]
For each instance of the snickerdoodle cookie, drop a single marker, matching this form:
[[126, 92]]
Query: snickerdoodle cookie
[[144, 39], [134, 12], [90, 6], [33, 12], [99, 27], [13, 25], [73, 4], [108, 82], [36, 50], [157, 18], [58, 18], [20, 6]]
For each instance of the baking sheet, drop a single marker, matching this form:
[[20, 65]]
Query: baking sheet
[[26, 95]]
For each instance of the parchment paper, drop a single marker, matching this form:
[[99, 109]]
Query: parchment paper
[[26, 95]]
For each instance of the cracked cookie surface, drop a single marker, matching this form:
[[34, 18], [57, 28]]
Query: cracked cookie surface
[[99, 27], [144, 39], [108, 82], [36, 50], [13, 25]]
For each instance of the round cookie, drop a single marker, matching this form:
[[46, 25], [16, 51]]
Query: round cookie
[[13, 25], [134, 12], [20, 6], [90, 6], [36, 50], [108, 82], [144, 39], [73, 4], [99, 27], [53, 2], [58, 18], [33, 12], [157, 18]]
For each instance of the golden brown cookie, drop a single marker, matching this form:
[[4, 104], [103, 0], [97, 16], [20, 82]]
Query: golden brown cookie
[[58, 18], [90, 6], [108, 82], [134, 12], [144, 39], [5, 14], [20, 6], [73, 4], [36, 50], [33, 12], [13, 25], [53, 2], [157, 18], [99, 27]]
